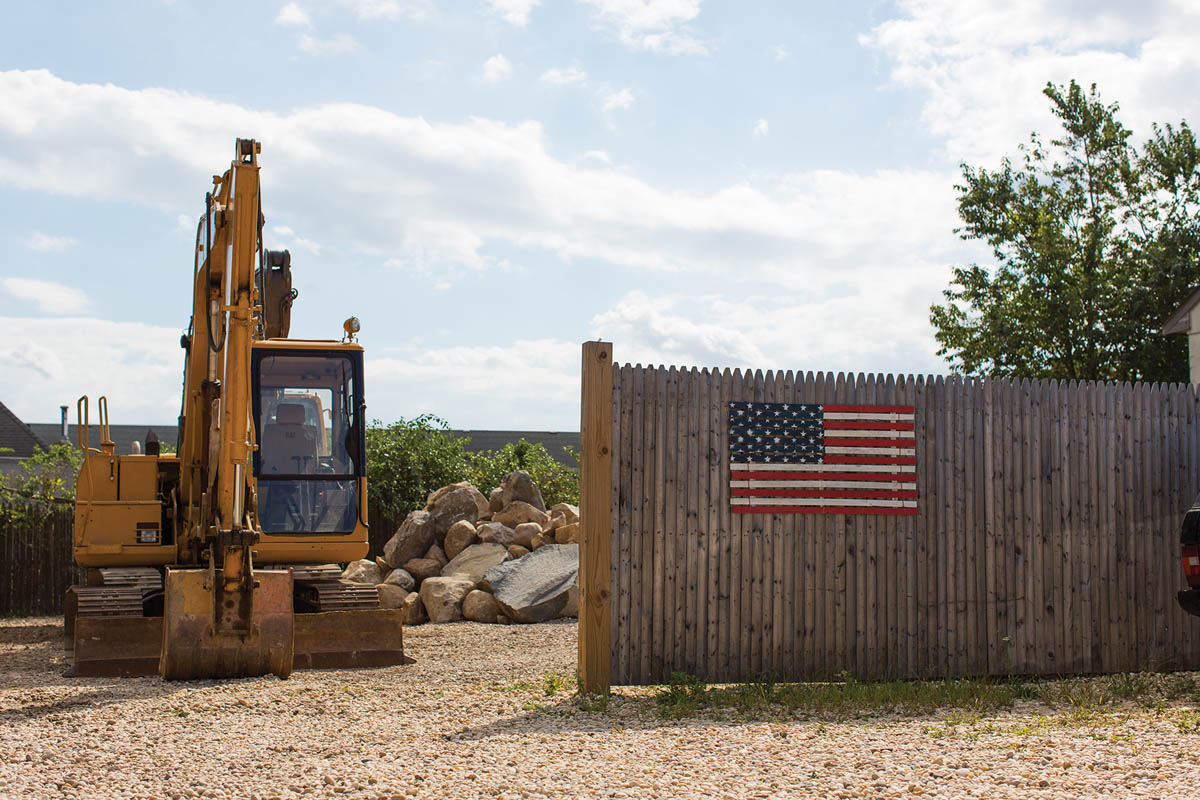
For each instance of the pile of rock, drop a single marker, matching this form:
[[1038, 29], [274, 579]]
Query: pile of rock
[[503, 558]]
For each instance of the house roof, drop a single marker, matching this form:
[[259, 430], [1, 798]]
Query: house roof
[[16, 436], [1180, 321], [123, 436]]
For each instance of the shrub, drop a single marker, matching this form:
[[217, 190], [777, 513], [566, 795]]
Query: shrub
[[558, 483], [408, 459]]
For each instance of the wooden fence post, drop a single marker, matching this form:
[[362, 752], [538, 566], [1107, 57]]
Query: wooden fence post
[[595, 492]]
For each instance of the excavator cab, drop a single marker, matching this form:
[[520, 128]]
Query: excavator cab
[[307, 410]]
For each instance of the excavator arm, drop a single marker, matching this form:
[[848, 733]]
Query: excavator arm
[[221, 616]]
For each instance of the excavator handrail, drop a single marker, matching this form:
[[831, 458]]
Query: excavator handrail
[[106, 443], [82, 414]]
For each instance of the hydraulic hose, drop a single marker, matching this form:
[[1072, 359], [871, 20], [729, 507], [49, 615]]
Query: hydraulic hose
[[208, 325]]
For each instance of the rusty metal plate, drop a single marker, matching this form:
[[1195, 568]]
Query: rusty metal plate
[[347, 639], [115, 647], [192, 647]]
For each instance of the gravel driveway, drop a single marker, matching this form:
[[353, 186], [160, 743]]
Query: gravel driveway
[[488, 711]]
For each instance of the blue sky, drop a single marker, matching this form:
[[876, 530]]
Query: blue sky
[[488, 183]]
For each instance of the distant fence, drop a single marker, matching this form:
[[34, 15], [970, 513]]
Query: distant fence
[[1045, 540], [36, 564]]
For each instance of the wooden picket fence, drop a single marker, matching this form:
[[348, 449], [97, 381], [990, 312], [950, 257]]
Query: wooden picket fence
[[1046, 540], [36, 563]]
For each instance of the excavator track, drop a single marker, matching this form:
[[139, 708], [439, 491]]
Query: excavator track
[[336, 595], [105, 633]]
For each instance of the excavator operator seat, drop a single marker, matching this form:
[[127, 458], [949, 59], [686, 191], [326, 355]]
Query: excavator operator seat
[[289, 447]]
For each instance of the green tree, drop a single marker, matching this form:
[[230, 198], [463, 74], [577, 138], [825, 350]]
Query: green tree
[[558, 483], [1095, 244], [48, 474], [409, 459]]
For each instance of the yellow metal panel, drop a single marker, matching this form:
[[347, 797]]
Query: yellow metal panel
[[97, 478], [138, 478], [116, 533]]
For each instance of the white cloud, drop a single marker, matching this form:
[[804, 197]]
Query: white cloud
[[389, 9], [804, 254], [565, 76], [599, 155], [762, 128], [48, 296], [530, 384], [497, 68], [45, 243], [818, 331], [982, 65], [515, 12], [655, 25], [45, 363], [622, 98], [338, 43], [442, 286], [779, 52], [437, 194], [293, 15]]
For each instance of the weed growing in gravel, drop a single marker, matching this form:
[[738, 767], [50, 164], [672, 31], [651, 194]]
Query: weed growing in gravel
[[684, 695], [552, 683], [1188, 721], [592, 703]]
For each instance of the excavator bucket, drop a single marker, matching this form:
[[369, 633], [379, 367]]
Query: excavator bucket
[[194, 646]]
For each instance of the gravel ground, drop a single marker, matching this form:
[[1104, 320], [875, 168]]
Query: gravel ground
[[474, 717]]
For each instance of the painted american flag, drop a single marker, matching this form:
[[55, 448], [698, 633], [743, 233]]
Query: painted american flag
[[797, 458]]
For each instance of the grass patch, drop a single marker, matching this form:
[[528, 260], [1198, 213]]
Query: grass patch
[[1075, 701]]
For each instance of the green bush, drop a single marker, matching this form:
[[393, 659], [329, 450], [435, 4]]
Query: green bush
[[48, 474], [558, 483], [409, 459]]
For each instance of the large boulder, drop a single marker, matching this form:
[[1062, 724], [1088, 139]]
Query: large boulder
[[480, 607], [391, 596], [568, 511], [402, 578], [567, 534], [476, 560], [422, 569], [411, 540], [541, 540], [523, 534], [363, 571], [496, 532], [516, 551], [461, 535], [518, 511], [537, 587], [519, 486], [496, 499], [452, 503], [437, 554], [571, 609], [443, 597], [414, 610]]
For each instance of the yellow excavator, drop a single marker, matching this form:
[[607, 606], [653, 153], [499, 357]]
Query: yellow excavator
[[215, 561]]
